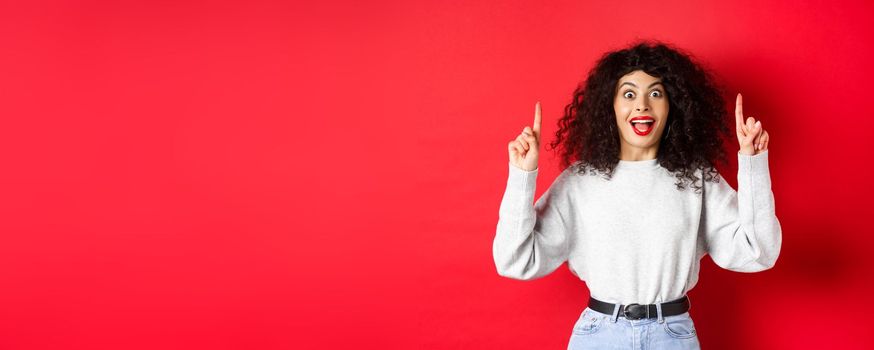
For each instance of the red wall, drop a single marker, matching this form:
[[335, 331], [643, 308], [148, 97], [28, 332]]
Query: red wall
[[257, 175]]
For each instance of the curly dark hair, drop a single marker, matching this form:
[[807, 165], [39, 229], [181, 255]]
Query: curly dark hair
[[588, 136]]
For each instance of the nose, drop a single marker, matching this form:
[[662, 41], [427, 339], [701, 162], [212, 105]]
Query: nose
[[642, 105]]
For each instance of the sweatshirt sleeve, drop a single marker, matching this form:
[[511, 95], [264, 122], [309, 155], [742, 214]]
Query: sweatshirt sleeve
[[740, 228], [531, 239]]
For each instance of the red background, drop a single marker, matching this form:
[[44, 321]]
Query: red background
[[263, 175]]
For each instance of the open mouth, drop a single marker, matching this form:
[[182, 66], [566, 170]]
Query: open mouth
[[642, 125]]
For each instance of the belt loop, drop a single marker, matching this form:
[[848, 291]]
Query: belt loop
[[659, 310], [615, 316]]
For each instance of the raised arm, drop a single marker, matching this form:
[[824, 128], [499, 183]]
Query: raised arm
[[531, 238], [740, 228]]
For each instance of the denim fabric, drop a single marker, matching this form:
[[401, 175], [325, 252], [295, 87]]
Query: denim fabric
[[595, 330]]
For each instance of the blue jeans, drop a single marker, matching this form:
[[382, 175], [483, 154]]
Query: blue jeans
[[595, 330]]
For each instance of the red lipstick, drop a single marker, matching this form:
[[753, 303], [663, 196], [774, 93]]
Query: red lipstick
[[646, 122]]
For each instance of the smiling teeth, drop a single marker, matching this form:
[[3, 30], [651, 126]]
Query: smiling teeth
[[643, 121]]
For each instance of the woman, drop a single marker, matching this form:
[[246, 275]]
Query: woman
[[640, 201]]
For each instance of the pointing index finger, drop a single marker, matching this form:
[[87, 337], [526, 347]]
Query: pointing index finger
[[537, 118], [739, 113]]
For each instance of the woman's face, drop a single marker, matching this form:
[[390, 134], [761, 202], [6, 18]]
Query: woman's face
[[641, 108]]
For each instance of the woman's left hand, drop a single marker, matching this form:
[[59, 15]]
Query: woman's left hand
[[753, 139]]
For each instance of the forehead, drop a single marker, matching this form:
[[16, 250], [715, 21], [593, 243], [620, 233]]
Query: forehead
[[639, 78]]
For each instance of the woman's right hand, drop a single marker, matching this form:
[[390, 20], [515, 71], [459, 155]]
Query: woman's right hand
[[525, 149]]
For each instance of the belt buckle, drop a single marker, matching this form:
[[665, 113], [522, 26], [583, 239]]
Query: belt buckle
[[634, 312]]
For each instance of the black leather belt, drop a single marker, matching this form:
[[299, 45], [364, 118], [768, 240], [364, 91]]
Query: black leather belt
[[637, 311]]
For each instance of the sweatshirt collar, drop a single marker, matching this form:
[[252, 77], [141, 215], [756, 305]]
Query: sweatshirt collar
[[638, 164]]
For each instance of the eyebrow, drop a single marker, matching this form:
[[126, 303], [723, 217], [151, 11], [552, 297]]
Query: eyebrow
[[632, 84]]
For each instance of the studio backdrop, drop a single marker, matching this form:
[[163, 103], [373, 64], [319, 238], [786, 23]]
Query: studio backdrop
[[327, 174]]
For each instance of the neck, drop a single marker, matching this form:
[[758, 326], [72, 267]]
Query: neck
[[635, 153]]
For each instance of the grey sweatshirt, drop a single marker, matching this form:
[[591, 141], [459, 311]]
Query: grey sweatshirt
[[636, 238]]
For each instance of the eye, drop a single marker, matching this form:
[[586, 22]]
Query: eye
[[656, 93], [627, 93]]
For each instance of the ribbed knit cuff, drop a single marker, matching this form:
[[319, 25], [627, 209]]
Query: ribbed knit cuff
[[522, 179], [753, 165], [521, 183]]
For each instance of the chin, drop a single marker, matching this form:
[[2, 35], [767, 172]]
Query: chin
[[638, 140]]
